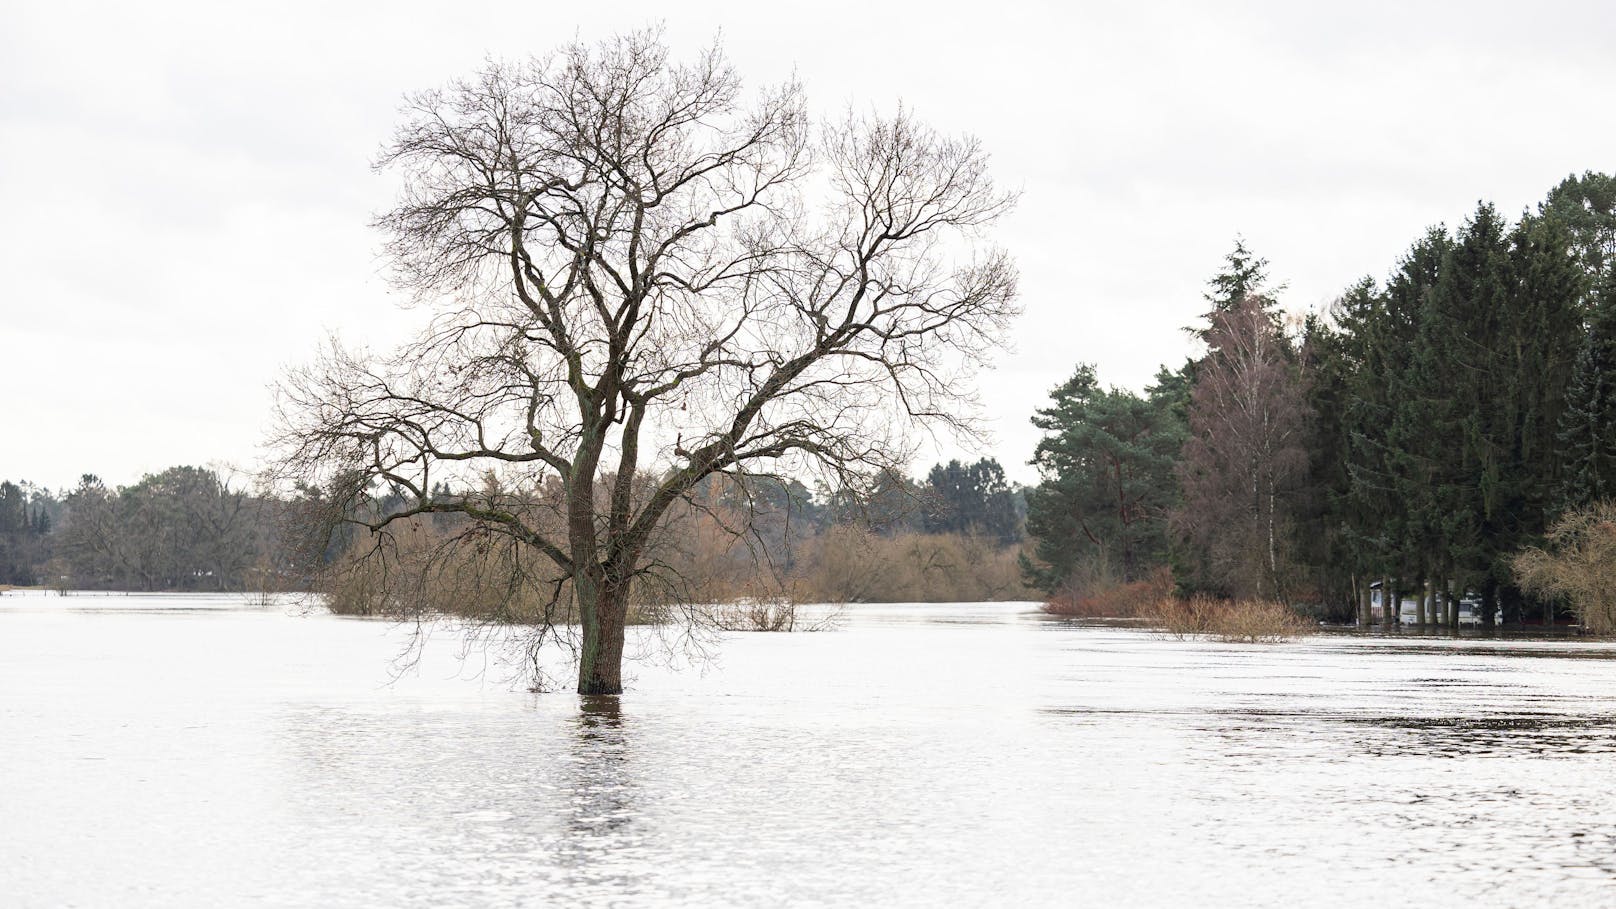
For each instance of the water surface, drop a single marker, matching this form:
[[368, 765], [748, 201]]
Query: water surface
[[203, 751]]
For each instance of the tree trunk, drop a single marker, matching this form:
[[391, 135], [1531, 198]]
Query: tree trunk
[[1439, 596], [603, 611], [1511, 605]]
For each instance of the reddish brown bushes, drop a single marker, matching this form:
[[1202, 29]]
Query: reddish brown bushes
[[1113, 601]]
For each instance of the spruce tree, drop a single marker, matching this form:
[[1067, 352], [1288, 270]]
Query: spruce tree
[[1539, 346], [1323, 544], [1587, 426], [1383, 417], [1244, 274], [1462, 413]]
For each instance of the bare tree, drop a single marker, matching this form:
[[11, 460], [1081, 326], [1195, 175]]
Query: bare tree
[[640, 277], [1578, 564], [1245, 455]]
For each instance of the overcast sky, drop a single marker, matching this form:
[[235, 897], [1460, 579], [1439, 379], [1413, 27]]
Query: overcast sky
[[185, 191]]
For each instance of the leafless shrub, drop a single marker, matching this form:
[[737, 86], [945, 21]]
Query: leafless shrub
[[773, 614], [1230, 621], [1577, 562]]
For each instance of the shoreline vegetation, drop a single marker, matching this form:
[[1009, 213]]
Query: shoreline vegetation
[[1155, 602], [1442, 439]]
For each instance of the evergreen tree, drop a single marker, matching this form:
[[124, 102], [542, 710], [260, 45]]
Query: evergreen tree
[[1538, 353], [1105, 461], [1323, 508], [1453, 431], [1404, 379], [1244, 274], [1358, 314], [970, 499], [1587, 426]]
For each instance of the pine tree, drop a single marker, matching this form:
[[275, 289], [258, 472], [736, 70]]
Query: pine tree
[[1106, 466]]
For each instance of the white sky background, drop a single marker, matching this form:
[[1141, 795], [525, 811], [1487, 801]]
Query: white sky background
[[185, 191]]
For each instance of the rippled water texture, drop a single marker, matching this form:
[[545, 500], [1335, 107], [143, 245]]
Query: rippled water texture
[[178, 751]]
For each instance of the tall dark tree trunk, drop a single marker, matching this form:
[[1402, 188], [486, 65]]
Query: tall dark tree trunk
[[603, 610]]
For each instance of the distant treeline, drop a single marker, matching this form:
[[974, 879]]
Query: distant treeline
[[182, 529], [951, 535], [1415, 436]]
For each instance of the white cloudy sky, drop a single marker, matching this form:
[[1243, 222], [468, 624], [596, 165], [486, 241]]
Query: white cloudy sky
[[185, 189]]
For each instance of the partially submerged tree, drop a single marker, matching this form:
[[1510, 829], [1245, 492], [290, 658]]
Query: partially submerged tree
[[642, 278]]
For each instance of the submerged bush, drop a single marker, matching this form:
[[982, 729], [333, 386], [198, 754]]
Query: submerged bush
[[1231, 621], [1120, 601], [769, 614]]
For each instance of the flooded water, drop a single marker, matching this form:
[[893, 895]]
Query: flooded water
[[194, 751]]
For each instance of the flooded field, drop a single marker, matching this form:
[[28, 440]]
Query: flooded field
[[196, 751]]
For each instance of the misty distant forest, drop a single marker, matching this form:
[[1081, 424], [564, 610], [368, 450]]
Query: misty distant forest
[[1427, 427]]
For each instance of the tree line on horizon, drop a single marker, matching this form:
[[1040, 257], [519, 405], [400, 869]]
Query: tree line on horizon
[[184, 528], [952, 534], [1414, 437]]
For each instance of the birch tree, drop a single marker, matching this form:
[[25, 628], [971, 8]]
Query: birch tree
[[1246, 452]]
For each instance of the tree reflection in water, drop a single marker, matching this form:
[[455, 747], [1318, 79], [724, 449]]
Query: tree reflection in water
[[599, 783]]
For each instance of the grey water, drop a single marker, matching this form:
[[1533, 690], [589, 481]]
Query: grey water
[[207, 751]]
